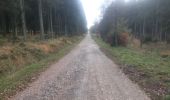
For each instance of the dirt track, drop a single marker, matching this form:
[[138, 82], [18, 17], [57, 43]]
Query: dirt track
[[84, 74]]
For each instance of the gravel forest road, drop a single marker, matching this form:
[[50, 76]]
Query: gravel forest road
[[84, 74]]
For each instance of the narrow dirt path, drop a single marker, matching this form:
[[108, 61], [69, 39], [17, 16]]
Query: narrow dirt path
[[84, 74]]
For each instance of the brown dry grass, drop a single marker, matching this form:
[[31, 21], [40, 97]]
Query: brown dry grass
[[44, 47], [135, 43], [6, 49], [165, 53], [14, 57]]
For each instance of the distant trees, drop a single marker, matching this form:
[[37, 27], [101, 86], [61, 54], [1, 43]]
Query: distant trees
[[147, 20], [45, 18]]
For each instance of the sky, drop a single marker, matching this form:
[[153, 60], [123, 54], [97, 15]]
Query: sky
[[93, 9]]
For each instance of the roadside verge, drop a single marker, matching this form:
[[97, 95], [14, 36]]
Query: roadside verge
[[20, 78], [148, 70]]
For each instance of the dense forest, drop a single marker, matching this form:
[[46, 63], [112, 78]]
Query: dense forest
[[20, 19], [147, 20]]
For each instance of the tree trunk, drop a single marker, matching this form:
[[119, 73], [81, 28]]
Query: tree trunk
[[16, 29], [143, 30], [135, 29], [4, 26], [51, 23], [143, 33], [160, 34], [65, 27], [59, 25], [23, 19], [165, 36], [41, 19], [153, 31], [116, 27]]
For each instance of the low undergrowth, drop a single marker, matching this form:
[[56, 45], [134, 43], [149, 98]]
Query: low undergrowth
[[149, 69], [22, 63]]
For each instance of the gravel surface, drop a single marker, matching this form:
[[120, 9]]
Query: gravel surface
[[84, 74]]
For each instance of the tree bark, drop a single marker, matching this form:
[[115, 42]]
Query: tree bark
[[143, 29], [65, 27], [41, 19], [160, 34], [16, 29], [23, 19], [143, 32], [51, 23]]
